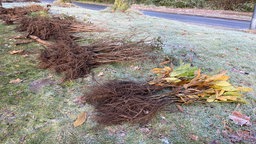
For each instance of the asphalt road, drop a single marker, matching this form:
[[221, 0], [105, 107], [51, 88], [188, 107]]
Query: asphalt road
[[200, 20]]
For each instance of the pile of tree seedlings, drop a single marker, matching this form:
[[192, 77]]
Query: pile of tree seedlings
[[116, 102], [62, 53], [54, 28], [76, 61], [13, 15]]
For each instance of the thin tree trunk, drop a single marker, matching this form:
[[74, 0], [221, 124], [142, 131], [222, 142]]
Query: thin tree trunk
[[0, 3]]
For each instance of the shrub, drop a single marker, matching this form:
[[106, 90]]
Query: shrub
[[237, 5], [240, 5]]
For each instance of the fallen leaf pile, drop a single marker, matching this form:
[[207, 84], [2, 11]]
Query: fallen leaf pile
[[194, 85], [116, 101], [240, 136]]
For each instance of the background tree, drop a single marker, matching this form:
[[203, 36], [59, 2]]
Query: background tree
[[121, 5]]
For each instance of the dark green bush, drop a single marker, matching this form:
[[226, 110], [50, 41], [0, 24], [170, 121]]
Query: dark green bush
[[246, 7], [180, 3], [237, 5], [100, 1]]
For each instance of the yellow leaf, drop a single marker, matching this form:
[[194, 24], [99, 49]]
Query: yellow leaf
[[222, 99], [211, 98], [193, 96], [209, 91], [231, 99], [225, 98], [226, 88], [165, 70], [244, 89], [219, 77], [156, 70], [222, 83], [232, 93], [172, 80], [221, 92], [81, 118], [229, 88]]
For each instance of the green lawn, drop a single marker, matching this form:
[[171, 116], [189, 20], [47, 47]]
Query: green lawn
[[47, 115]]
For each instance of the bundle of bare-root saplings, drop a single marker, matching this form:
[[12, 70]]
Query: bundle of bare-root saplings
[[13, 15], [62, 53], [77, 61], [116, 102], [55, 28]]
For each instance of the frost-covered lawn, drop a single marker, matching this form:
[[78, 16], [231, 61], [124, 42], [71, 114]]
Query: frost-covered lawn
[[47, 115]]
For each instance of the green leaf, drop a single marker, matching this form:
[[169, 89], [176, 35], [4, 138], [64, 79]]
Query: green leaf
[[184, 70], [232, 93]]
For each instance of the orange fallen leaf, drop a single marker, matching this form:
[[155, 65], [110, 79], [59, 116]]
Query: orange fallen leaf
[[15, 81], [16, 52], [81, 118], [240, 119]]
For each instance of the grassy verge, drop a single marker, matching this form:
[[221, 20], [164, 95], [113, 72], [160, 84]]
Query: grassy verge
[[47, 115]]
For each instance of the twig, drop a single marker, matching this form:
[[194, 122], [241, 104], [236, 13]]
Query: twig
[[43, 42]]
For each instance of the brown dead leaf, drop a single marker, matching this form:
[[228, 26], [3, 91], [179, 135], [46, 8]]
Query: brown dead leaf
[[247, 135], [214, 142], [145, 130], [165, 62], [240, 119], [25, 55], [135, 67], [179, 107], [193, 137], [100, 74], [15, 81], [16, 52], [79, 100], [243, 136], [81, 118]]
